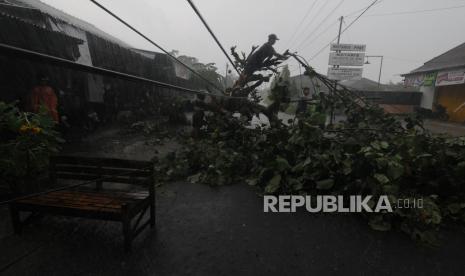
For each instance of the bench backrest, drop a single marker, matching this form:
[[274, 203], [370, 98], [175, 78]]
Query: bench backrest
[[102, 170]]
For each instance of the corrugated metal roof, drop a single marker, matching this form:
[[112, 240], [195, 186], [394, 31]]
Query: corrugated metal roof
[[454, 58], [12, 17], [58, 14], [20, 33]]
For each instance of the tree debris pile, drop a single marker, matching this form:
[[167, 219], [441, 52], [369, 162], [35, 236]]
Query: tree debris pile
[[370, 153]]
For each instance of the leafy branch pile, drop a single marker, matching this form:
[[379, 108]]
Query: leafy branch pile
[[369, 153]]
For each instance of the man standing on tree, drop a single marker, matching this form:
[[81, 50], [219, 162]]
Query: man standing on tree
[[43, 94], [257, 60]]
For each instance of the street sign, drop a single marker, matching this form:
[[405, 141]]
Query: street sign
[[346, 59], [345, 73], [349, 47]]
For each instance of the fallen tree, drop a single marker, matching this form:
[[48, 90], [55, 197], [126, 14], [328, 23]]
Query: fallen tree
[[369, 153]]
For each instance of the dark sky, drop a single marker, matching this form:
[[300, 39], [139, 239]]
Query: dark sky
[[406, 32]]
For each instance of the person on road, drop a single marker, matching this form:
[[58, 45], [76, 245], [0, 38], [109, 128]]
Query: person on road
[[302, 104], [44, 95]]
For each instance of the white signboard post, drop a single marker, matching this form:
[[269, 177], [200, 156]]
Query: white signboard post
[[347, 59], [346, 55], [344, 73], [349, 47]]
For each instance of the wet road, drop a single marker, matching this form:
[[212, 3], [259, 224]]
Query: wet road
[[216, 231]]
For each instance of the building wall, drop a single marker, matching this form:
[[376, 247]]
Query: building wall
[[452, 97], [427, 99]]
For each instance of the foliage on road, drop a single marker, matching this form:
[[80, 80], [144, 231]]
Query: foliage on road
[[370, 153]]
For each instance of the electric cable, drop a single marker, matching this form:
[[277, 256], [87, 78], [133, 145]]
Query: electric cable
[[318, 12], [320, 34], [321, 23], [416, 11], [301, 22], [345, 29], [191, 3], [154, 44]]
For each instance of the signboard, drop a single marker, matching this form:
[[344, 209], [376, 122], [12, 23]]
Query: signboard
[[430, 79], [420, 80], [414, 80], [344, 73], [450, 78], [348, 47], [347, 59]]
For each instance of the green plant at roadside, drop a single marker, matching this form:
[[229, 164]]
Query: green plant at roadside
[[26, 142]]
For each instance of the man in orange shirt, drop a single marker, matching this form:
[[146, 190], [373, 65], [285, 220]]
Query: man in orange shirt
[[43, 94]]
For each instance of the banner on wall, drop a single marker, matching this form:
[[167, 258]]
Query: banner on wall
[[450, 78], [414, 80], [430, 79]]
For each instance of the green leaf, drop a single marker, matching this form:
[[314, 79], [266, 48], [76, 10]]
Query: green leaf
[[381, 178], [384, 145], [273, 184], [395, 171], [296, 184], [194, 178], [298, 168], [307, 161], [375, 145], [325, 184], [282, 164], [252, 182]]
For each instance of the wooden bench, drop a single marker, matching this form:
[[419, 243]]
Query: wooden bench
[[96, 203]]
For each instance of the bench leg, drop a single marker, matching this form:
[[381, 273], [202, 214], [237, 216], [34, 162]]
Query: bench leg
[[152, 213], [15, 219], [127, 233]]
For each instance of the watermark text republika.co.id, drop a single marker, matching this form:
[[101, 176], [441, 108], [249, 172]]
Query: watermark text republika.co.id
[[336, 204]]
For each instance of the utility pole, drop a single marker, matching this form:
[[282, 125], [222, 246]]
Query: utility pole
[[331, 120], [380, 67], [380, 70], [341, 19], [226, 76]]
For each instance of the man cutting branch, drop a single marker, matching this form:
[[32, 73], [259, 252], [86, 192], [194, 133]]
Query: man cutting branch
[[259, 60]]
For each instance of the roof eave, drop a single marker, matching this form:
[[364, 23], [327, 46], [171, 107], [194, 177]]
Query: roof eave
[[414, 72]]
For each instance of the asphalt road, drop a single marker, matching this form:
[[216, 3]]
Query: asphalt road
[[216, 231]]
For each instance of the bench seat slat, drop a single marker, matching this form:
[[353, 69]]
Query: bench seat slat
[[109, 162], [112, 202], [107, 178], [102, 171]]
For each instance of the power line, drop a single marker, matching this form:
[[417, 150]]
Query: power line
[[315, 17], [345, 29], [212, 34], [302, 21], [321, 23], [352, 14], [320, 34], [155, 44], [417, 11]]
